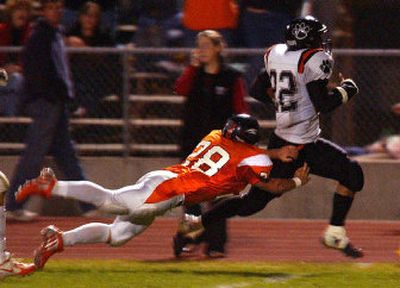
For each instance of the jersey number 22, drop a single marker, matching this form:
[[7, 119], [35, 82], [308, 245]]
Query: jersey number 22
[[285, 84]]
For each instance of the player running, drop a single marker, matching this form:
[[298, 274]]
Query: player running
[[295, 80], [224, 162]]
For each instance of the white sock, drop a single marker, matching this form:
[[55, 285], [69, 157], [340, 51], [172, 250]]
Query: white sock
[[85, 191], [88, 233], [3, 254]]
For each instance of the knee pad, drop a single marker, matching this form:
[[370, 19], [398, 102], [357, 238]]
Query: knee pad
[[123, 231], [355, 177]]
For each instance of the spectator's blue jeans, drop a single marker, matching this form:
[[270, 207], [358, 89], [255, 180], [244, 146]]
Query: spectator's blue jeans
[[261, 30], [156, 33], [11, 95], [48, 133]]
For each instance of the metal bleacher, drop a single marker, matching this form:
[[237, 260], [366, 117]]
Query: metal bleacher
[[147, 119], [143, 118]]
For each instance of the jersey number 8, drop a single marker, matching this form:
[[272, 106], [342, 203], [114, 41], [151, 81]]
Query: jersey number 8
[[207, 163]]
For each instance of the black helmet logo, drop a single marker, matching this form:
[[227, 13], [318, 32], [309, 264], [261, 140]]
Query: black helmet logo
[[300, 31]]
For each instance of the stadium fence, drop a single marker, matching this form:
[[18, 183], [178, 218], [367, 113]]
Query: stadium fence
[[132, 110]]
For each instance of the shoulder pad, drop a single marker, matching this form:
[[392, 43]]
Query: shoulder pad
[[318, 66]]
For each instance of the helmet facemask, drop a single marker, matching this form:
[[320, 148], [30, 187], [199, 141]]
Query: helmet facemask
[[242, 128]]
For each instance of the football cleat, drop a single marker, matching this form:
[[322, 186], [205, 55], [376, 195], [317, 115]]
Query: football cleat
[[52, 243], [21, 215], [190, 226], [178, 244], [335, 237], [42, 185], [11, 267], [4, 185], [213, 254]]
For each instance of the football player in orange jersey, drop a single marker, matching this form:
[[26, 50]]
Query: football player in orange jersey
[[224, 162]]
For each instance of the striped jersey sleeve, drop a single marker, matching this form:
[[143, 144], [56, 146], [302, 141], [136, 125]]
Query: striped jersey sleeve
[[255, 168]]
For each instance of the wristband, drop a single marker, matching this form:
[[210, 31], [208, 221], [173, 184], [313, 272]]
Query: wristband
[[297, 181], [343, 93]]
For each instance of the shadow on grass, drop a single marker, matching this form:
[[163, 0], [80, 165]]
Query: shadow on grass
[[157, 272]]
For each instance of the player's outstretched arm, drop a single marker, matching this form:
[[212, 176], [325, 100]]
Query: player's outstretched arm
[[280, 186]]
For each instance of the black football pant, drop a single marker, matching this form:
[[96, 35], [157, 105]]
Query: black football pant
[[215, 235], [324, 158]]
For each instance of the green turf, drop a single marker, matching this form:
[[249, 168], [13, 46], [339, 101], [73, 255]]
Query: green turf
[[218, 274]]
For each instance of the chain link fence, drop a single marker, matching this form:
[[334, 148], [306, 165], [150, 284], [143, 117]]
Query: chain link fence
[[126, 106]]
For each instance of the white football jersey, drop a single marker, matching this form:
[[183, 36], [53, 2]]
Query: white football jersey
[[289, 71]]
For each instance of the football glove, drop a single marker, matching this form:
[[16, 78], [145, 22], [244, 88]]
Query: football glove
[[348, 88]]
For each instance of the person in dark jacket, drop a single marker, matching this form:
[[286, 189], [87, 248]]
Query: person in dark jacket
[[90, 86], [214, 92], [48, 90]]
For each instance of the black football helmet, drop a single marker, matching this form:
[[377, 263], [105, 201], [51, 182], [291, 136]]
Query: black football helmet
[[305, 32], [243, 128]]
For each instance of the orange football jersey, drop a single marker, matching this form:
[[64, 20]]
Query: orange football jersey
[[217, 166]]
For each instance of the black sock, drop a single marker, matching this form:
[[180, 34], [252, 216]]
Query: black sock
[[252, 202], [193, 209], [341, 206], [224, 209]]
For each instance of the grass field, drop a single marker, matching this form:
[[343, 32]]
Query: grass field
[[218, 274]]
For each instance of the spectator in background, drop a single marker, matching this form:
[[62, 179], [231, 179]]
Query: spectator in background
[[389, 145], [214, 92], [219, 15], [158, 23], [262, 24], [109, 17], [87, 32], [375, 26], [48, 90], [13, 33]]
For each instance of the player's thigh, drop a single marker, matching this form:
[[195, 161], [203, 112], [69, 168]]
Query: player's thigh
[[283, 169], [146, 212], [135, 196], [328, 160]]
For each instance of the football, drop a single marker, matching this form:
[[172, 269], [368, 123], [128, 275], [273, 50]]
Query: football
[[3, 77]]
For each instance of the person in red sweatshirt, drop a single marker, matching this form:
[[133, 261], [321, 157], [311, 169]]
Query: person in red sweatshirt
[[214, 92], [14, 32]]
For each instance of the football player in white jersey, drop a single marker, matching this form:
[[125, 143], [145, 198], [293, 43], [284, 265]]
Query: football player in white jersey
[[295, 80], [9, 266]]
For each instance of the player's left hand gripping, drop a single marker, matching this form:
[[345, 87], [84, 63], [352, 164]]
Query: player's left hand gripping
[[303, 173]]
